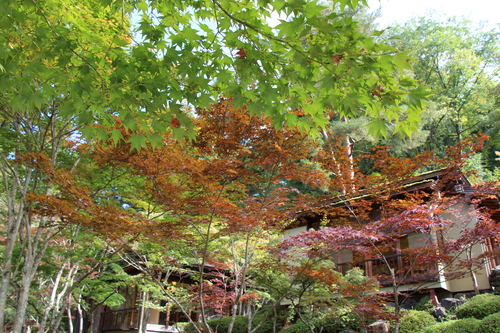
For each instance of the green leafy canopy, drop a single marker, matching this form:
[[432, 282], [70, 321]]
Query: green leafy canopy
[[185, 54]]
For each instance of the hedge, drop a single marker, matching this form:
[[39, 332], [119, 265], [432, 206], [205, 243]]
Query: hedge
[[479, 306], [490, 324], [414, 321], [241, 322], [467, 325]]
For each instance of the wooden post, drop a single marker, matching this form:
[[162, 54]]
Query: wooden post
[[433, 297]]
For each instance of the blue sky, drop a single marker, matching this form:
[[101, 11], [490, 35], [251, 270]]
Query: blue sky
[[403, 10]]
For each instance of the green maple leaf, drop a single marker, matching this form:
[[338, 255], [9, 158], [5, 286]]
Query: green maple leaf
[[138, 141], [378, 127]]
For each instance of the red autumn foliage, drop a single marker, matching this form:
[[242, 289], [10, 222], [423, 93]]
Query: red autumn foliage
[[73, 204], [241, 53]]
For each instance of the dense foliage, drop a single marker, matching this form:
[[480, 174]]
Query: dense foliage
[[489, 324], [466, 325], [180, 53], [298, 327], [479, 306], [271, 320], [330, 325], [458, 60], [69, 68], [414, 321]]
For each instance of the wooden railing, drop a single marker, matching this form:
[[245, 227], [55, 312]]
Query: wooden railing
[[120, 319], [405, 271]]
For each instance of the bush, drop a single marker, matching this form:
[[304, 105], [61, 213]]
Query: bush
[[327, 325], [438, 328], [490, 324], [222, 324], [414, 321], [467, 325], [425, 304], [298, 327], [268, 325], [335, 325], [241, 322], [479, 306]]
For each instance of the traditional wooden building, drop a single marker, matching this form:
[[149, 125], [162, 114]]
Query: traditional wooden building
[[136, 314], [438, 281]]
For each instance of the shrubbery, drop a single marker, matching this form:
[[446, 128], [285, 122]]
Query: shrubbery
[[414, 321], [490, 324], [222, 324], [335, 325], [327, 325], [241, 322], [268, 325], [479, 306], [425, 304], [480, 314], [298, 327], [467, 325], [438, 327]]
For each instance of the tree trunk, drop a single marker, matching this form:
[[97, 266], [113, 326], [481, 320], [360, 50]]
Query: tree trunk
[[472, 273], [34, 250], [397, 307], [22, 300], [70, 322], [15, 217], [52, 300]]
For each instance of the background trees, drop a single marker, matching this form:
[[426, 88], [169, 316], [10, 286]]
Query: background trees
[[212, 203], [459, 61]]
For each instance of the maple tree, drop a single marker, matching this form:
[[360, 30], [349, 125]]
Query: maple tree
[[191, 52], [55, 249], [41, 71], [226, 187], [66, 66], [318, 295]]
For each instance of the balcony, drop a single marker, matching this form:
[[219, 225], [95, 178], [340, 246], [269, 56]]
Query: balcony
[[406, 271]]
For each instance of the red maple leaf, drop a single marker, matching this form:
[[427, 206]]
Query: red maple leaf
[[241, 53]]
